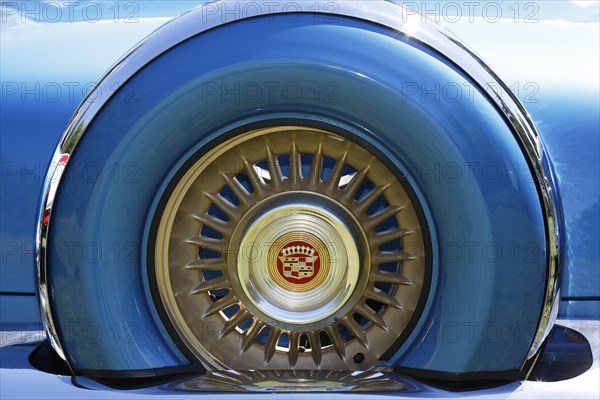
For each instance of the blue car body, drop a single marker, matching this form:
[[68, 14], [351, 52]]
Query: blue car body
[[51, 61]]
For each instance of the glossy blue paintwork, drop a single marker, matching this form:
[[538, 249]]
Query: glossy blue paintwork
[[576, 121], [573, 151], [417, 135], [579, 308], [37, 103], [565, 106], [19, 310]]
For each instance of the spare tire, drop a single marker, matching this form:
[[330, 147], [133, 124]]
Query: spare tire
[[303, 191]]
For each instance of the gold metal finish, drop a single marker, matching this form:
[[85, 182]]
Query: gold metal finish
[[264, 200]]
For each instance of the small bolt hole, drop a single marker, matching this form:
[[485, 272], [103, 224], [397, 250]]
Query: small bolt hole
[[359, 358]]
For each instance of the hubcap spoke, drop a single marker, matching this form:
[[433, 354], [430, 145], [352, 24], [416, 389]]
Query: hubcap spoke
[[240, 191], [233, 323], [257, 181], [253, 332], [368, 201], [274, 168], [208, 243], [355, 329], [221, 304], [231, 210], [336, 174], [384, 257], [212, 284], [355, 184], [294, 350], [295, 166], [336, 341], [367, 312], [215, 223], [316, 168], [315, 347], [385, 237], [388, 277], [215, 264], [375, 220], [383, 297], [270, 347]]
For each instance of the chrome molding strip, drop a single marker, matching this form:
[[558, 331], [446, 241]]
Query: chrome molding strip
[[45, 295], [410, 25]]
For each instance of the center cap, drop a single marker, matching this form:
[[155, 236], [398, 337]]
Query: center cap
[[298, 261]]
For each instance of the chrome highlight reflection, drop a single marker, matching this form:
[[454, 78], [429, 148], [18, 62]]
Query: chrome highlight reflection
[[57, 166], [375, 380]]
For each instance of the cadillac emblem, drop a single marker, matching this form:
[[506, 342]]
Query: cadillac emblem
[[298, 261]]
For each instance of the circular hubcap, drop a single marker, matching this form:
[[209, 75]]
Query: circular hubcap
[[289, 247], [299, 261]]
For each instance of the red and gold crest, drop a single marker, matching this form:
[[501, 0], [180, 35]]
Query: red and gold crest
[[298, 261]]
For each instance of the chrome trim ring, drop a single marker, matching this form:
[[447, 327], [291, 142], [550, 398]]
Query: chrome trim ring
[[410, 25], [280, 195]]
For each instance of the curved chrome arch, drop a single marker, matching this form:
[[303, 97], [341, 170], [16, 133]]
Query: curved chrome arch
[[411, 25]]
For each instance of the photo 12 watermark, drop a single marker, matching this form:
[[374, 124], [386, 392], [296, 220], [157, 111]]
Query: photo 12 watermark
[[452, 12], [126, 12]]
